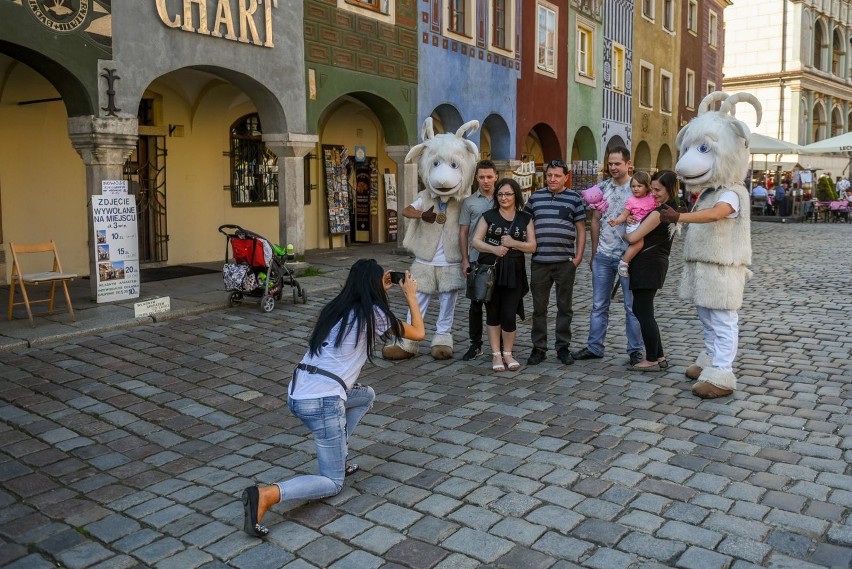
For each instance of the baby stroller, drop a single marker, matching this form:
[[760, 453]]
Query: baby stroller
[[258, 269]]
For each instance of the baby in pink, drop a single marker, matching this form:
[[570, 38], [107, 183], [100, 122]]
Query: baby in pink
[[638, 206]]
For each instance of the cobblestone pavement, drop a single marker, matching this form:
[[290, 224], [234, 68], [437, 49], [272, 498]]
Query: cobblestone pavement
[[131, 448]]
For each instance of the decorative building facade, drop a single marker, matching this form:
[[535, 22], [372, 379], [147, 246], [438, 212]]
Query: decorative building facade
[[656, 65], [799, 67], [616, 126], [585, 79], [469, 69]]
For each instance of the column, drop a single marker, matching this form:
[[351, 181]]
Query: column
[[407, 185], [104, 144], [291, 148]]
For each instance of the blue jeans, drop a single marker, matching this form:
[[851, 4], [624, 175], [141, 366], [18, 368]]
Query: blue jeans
[[604, 273], [332, 421]]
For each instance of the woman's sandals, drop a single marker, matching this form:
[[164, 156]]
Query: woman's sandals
[[511, 362], [497, 362]]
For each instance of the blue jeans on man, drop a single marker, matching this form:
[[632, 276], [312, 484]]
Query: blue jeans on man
[[604, 273]]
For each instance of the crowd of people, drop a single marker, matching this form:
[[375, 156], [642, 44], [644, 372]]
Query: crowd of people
[[630, 243]]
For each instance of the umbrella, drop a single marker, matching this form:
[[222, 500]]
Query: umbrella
[[842, 143], [762, 144]]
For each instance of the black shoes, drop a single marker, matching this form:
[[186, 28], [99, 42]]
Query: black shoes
[[636, 357], [585, 354], [564, 355], [472, 353], [536, 357]]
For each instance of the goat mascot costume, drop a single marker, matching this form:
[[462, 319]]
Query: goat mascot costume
[[717, 248], [446, 164]]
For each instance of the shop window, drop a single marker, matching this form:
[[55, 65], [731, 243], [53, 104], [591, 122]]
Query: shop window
[[254, 168]]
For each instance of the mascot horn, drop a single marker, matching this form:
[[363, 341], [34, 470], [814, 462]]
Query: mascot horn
[[446, 164], [717, 247]]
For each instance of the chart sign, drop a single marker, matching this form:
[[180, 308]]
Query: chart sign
[[116, 247]]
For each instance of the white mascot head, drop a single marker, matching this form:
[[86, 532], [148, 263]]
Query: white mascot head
[[446, 162], [714, 145]]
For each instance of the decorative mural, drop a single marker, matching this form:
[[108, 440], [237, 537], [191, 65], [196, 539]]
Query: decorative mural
[[93, 18]]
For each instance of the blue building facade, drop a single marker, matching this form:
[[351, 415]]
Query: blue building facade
[[469, 66]]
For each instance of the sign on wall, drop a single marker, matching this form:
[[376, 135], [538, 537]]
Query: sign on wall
[[116, 247]]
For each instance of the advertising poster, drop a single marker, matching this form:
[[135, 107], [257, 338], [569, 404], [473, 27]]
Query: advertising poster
[[116, 247], [390, 205]]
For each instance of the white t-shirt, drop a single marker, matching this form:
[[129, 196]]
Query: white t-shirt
[[344, 361], [732, 199], [440, 259]]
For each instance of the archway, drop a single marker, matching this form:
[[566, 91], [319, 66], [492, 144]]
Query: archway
[[836, 122], [584, 146], [642, 157], [446, 118], [353, 158], [498, 137], [819, 121], [43, 193], [664, 158], [613, 142], [540, 144], [819, 45]]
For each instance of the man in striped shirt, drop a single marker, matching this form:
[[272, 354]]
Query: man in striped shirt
[[559, 216]]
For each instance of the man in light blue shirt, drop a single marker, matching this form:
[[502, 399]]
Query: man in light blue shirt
[[608, 246]]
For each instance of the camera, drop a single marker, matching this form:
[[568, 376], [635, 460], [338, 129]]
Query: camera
[[397, 277]]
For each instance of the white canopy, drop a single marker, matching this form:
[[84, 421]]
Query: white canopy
[[842, 143], [762, 144]]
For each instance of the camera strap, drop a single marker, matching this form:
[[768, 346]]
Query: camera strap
[[317, 371]]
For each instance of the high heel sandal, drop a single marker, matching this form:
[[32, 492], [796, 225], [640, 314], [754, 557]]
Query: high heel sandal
[[511, 362], [497, 367]]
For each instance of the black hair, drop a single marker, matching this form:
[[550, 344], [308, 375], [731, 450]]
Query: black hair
[[516, 188], [619, 149], [668, 180], [484, 165], [556, 164], [354, 308]]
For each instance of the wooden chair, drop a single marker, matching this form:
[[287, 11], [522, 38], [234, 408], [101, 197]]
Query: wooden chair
[[22, 279]]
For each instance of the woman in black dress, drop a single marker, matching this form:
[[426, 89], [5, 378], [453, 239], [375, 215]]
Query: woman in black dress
[[649, 267], [504, 234]]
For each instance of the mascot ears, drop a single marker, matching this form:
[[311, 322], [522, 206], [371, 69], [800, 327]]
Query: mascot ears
[[427, 133]]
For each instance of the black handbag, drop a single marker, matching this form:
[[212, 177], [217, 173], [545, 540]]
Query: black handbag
[[480, 282]]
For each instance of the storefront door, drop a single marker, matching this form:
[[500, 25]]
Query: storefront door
[[145, 171]]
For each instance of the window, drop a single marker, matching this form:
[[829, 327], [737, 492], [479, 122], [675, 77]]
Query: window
[[456, 22], [498, 17], [711, 87], [669, 15], [254, 169], [374, 5], [665, 91], [692, 16], [646, 85], [617, 67], [585, 52], [502, 30], [648, 9], [689, 90], [713, 33], [546, 37]]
